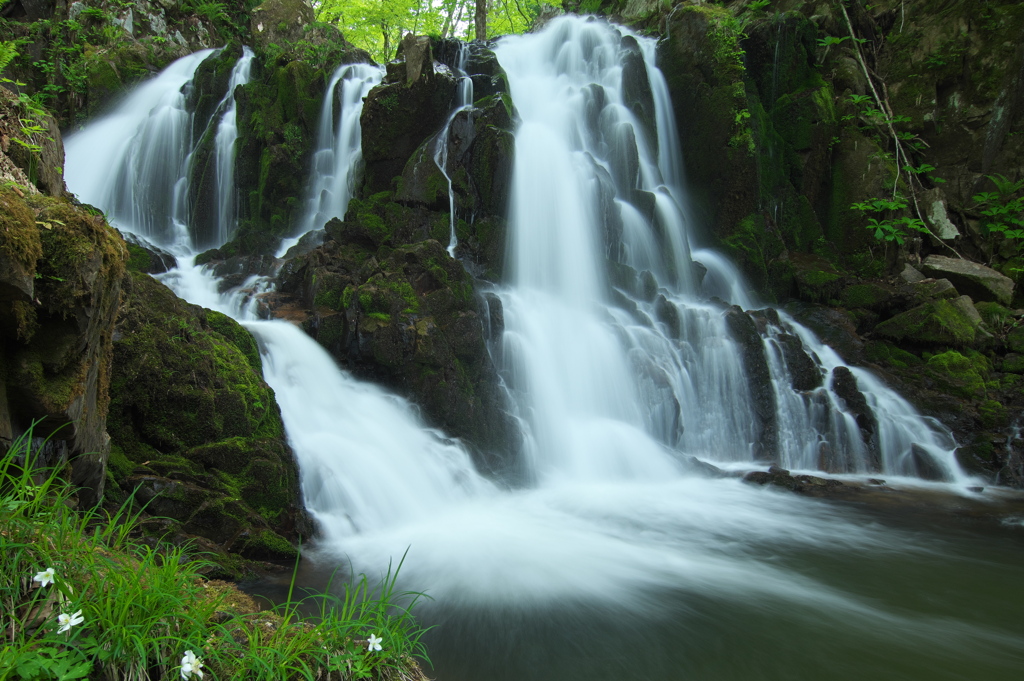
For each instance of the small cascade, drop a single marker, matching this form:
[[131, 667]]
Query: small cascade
[[338, 154], [148, 144], [463, 100], [224, 150], [132, 162], [367, 462]]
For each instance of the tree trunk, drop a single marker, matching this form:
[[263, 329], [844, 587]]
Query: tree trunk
[[481, 19]]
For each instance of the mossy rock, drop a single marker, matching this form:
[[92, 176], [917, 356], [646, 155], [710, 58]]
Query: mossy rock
[[817, 280], [1015, 339], [403, 315], [20, 248], [959, 374], [56, 349], [761, 253], [1013, 363], [397, 118], [869, 295], [938, 322], [887, 354], [112, 69], [278, 114], [189, 406]]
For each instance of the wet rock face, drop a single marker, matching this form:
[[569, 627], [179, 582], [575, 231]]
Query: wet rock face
[[744, 331], [804, 371], [636, 89], [398, 116], [844, 384], [480, 148], [393, 307]]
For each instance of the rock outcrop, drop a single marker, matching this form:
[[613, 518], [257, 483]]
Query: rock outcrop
[[60, 287]]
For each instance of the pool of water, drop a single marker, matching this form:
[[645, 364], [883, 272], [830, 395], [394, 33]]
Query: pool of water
[[707, 581]]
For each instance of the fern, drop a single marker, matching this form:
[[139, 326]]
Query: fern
[[8, 52]]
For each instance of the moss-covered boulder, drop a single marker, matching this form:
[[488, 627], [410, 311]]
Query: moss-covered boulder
[[940, 322], [383, 295], [195, 429]]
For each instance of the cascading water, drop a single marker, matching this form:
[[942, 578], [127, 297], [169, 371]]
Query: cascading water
[[463, 100], [224, 149], [614, 563], [145, 147], [131, 163], [338, 152], [617, 374]]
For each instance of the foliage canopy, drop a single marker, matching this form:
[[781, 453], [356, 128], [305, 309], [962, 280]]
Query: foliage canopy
[[377, 26]]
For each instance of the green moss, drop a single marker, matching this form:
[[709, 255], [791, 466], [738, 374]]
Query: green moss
[[993, 414], [118, 464], [887, 353], [865, 295], [208, 386], [936, 322], [238, 336], [19, 235], [819, 278], [267, 545], [960, 375], [758, 248], [1013, 363]]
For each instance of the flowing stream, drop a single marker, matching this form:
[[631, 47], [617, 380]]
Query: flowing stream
[[616, 560]]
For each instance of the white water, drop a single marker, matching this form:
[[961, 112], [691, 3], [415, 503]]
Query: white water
[[338, 154], [463, 100], [224, 150], [612, 394], [134, 163], [610, 399], [131, 162]]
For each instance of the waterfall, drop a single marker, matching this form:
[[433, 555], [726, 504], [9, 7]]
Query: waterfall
[[145, 148], [613, 562], [132, 162], [619, 361], [338, 153], [224, 150], [463, 100]]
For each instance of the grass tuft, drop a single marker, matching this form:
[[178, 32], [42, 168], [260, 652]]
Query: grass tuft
[[118, 608]]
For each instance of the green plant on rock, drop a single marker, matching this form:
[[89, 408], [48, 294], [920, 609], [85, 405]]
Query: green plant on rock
[[893, 229], [8, 52], [1003, 210], [924, 170], [211, 11]]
